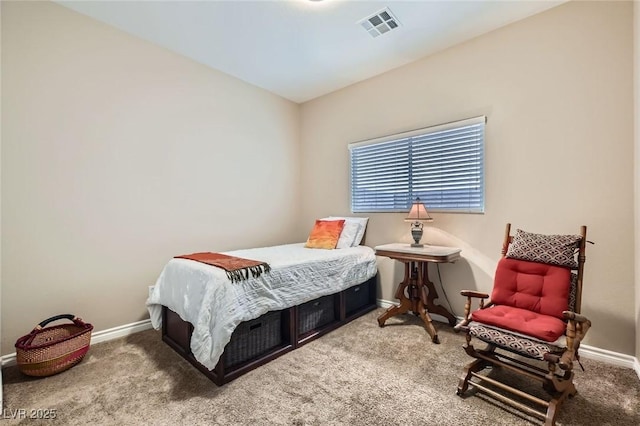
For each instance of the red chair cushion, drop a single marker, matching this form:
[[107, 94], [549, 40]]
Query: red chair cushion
[[537, 287], [542, 327]]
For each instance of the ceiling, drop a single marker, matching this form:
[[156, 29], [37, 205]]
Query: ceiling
[[302, 49]]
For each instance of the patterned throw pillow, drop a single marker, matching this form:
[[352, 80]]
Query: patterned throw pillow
[[325, 234], [553, 249]]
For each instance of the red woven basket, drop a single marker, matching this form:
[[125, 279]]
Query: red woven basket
[[51, 350]]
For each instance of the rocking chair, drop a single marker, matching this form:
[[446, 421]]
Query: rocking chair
[[533, 317]]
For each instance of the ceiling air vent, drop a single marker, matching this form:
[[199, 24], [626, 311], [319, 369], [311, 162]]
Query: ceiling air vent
[[379, 23]]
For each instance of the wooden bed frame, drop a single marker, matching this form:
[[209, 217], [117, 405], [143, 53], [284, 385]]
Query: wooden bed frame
[[295, 327]]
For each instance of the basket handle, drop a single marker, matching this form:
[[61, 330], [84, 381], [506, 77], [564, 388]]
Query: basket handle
[[70, 317]]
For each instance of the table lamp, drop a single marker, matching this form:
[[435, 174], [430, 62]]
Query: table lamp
[[417, 216]]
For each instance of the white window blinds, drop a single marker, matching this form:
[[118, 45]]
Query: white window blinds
[[443, 165]]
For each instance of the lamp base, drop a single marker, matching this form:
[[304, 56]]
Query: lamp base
[[416, 233]]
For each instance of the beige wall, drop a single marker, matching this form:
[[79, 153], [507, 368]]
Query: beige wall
[[117, 155], [557, 89]]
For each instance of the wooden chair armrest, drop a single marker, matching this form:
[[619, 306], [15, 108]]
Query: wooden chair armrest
[[572, 316], [577, 327], [472, 293], [462, 325]]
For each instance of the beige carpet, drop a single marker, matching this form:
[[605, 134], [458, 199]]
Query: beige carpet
[[360, 374]]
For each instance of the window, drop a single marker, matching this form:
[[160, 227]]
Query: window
[[443, 165]]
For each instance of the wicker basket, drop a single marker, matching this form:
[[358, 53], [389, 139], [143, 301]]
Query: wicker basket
[[51, 350], [316, 314], [358, 297], [253, 338]]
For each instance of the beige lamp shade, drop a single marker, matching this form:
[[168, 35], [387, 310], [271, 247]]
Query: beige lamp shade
[[418, 213]]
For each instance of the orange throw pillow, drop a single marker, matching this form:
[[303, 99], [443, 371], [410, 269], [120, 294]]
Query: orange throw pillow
[[325, 234]]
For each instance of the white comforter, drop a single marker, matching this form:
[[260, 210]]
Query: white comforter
[[203, 295]]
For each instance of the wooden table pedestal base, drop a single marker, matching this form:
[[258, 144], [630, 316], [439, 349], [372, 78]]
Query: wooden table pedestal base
[[416, 292]]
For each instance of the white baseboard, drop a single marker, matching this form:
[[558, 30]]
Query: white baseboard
[[589, 352], [121, 331], [609, 357], [98, 336]]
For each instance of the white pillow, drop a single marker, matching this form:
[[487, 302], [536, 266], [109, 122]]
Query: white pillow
[[361, 221], [348, 234]]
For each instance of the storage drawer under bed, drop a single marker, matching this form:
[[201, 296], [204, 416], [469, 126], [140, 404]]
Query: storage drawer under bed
[[253, 338], [318, 313], [359, 297]]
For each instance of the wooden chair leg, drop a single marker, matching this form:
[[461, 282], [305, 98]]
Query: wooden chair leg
[[550, 419], [473, 367], [555, 403], [554, 384]]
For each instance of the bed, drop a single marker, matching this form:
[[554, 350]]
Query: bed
[[227, 328]]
